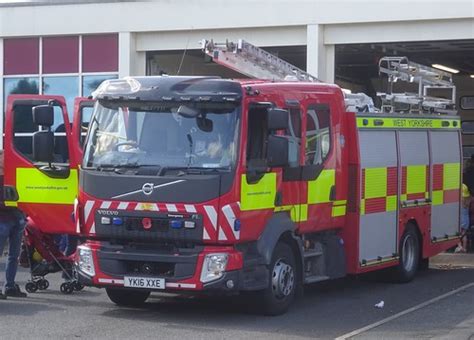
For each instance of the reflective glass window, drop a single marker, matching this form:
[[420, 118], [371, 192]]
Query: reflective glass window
[[63, 86], [90, 83], [22, 85]]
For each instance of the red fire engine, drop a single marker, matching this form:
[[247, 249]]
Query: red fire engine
[[211, 185]]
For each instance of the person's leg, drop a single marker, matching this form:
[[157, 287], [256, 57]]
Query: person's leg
[[4, 232], [15, 237]]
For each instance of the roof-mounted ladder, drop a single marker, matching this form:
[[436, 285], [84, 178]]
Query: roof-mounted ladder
[[253, 61], [429, 80]]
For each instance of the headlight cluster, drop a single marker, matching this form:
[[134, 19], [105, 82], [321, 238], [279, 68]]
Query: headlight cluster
[[85, 260], [213, 267]]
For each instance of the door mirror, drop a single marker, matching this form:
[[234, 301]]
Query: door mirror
[[43, 146], [43, 115], [277, 151], [277, 119]]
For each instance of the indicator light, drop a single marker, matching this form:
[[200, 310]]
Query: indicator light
[[189, 224], [105, 220]]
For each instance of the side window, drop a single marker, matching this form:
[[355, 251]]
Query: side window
[[318, 140], [86, 116], [256, 137], [23, 129], [294, 136]]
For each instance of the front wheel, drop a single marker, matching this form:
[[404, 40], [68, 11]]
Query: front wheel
[[280, 293], [409, 250], [126, 297]]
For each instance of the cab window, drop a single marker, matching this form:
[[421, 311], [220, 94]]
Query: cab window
[[318, 140], [24, 128]]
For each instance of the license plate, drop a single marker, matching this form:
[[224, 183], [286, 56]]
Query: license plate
[[144, 282]]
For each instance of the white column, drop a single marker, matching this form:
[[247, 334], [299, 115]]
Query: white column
[[124, 46], [313, 49], [330, 63], [320, 58], [2, 115], [131, 62]]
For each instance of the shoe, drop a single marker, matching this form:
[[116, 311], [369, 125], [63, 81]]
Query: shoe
[[14, 292], [2, 297]]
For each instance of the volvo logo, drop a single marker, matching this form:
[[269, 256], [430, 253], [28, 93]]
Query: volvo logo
[[147, 188]]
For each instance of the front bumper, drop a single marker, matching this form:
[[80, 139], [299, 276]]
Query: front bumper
[[181, 270]]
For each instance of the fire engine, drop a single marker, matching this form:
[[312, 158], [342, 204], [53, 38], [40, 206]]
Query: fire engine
[[210, 185]]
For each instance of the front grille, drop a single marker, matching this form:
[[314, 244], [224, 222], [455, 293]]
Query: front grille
[[158, 224], [150, 268]]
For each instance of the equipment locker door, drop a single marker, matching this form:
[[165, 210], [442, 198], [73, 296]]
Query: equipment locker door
[[379, 195], [446, 183], [44, 193]]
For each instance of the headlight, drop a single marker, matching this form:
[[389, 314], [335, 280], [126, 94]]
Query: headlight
[[86, 261], [213, 267]]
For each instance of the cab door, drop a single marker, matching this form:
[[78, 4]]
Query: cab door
[[45, 192]]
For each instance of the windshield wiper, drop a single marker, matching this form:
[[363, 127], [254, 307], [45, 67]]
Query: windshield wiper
[[193, 169]]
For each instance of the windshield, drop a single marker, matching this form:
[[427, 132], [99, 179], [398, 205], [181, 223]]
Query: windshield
[[174, 135]]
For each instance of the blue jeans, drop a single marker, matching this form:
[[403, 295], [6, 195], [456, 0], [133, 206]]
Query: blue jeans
[[12, 224]]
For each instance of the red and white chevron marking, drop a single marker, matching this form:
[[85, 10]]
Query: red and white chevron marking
[[208, 212], [230, 213]]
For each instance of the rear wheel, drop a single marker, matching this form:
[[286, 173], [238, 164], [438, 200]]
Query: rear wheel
[[409, 250], [126, 297], [280, 293]]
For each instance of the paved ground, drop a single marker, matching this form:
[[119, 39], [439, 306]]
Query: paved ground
[[328, 310]]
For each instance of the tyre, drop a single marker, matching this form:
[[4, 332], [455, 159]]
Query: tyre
[[43, 284], [127, 297], [66, 288], [409, 250], [280, 293], [31, 287]]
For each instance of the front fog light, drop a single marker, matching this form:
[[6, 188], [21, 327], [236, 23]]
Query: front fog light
[[213, 267], [86, 261]]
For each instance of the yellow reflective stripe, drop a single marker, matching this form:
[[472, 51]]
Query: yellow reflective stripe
[[340, 202], [283, 208], [33, 186], [362, 206], [391, 203], [416, 179], [437, 197], [260, 195], [407, 123], [11, 204], [375, 182], [403, 197], [451, 176], [320, 188], [339, 210], [299, 213]]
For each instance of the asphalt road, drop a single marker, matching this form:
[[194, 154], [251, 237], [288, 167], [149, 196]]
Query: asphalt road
[[328, 310]]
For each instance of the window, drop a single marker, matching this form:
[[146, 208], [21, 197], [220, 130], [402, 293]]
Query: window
[[24, 85], [294, 136], [63, 86], [71, 66], [91, 83], [467, 103], [86, 116], [256, 137], [24, 128], [467, 127], [317, 134]]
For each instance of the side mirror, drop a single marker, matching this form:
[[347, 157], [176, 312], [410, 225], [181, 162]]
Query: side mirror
[[204, 124], [43, 115], [277, 119], [43, 146], [277, 151]]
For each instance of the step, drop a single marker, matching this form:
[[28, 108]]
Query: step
[[312, 253], [315, 278]]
